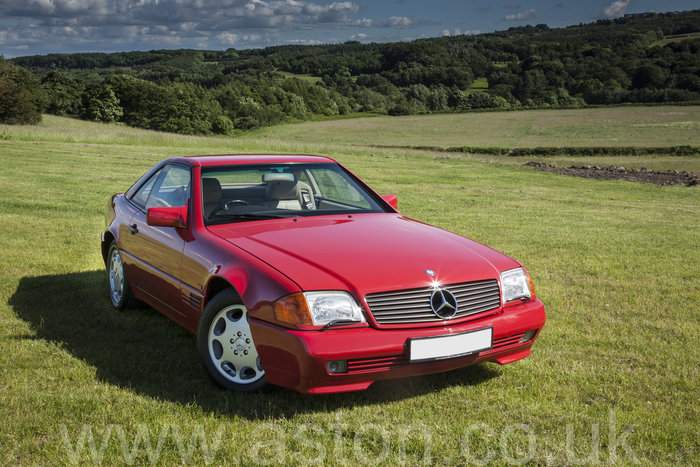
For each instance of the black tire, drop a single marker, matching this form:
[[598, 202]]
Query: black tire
[[225, 344], [120, 293]]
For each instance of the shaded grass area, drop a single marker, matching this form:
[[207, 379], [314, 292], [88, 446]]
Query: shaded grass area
[[616, 264]]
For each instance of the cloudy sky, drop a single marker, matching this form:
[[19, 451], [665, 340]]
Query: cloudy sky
[[31, 27]]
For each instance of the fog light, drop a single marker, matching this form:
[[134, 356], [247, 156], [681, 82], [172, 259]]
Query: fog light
[[528, 335], [337, 366]]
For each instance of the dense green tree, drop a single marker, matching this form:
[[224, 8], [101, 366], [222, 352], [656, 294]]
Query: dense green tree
[[193, 91], [100, 104], [22, 98], [64, 93]]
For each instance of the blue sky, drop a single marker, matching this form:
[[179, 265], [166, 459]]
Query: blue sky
[[31, 27]]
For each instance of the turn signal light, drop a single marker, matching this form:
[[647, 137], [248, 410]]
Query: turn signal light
[[532, 286], [293, 309]]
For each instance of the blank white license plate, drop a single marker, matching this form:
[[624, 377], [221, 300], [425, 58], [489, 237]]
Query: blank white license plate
[[451, 346]]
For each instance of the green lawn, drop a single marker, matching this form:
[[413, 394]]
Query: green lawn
[[613, 377]]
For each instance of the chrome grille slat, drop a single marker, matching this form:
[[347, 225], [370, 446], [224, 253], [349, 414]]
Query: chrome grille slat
[[413, 305]]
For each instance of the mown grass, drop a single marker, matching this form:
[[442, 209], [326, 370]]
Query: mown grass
[[616, 264]]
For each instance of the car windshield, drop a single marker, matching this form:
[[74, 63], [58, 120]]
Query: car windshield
[[253, 192]]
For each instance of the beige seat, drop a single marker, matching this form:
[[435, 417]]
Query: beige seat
[[282, 191], [211, 195]]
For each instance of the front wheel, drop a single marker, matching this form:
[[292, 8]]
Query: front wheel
[[225, 344], [119, 290]]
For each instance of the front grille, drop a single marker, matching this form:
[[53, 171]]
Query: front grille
[[413, 306]]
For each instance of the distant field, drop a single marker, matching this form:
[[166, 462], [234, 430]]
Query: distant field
[[479, 85], [620, 126], [309, 78], [680, 37]]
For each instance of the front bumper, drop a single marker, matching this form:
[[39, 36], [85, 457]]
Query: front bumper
[[297, 359]]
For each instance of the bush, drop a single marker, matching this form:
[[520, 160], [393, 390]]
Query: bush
[[222, 125], [100, 104]]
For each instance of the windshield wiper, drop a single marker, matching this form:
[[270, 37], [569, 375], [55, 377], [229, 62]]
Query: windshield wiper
[[338, 322], [246, 215]]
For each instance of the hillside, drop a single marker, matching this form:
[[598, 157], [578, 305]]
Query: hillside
[[198, 92]]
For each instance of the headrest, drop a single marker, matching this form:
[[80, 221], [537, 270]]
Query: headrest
[[211, 190]]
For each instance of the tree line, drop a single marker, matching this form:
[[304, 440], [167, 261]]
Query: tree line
[[202, 92]]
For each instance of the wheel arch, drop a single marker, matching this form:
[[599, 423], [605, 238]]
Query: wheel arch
[[107, 239], [216, 285]]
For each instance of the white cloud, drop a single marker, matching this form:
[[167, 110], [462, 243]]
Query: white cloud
[[616, 9], [459, 32], [403, 22], [228, 38], [511, 6], [397, 22], [147, 24], [358, 36], [304, 41], [525, 15]]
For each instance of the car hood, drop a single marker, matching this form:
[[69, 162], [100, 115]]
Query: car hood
[[365, 253]]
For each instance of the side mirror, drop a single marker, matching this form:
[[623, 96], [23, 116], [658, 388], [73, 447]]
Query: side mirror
[[392, 200], [167, 217]]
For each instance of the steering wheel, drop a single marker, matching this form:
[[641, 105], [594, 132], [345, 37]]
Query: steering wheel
[[225, 207], [237, 201]]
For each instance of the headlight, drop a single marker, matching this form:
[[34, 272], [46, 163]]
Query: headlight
[[318, 308], [517, 285], [326, 307]]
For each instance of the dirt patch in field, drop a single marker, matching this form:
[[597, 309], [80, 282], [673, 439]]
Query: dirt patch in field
[[657, 177]]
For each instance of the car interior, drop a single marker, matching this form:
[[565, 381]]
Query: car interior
[[278, 191]]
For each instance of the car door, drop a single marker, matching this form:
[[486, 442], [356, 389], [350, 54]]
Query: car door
[[156, 252]]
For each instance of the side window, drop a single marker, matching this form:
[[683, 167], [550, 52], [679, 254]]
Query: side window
[[335, 188], [140, 198], [169, 187]]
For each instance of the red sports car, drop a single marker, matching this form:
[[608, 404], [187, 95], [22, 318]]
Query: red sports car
[[291, 271]]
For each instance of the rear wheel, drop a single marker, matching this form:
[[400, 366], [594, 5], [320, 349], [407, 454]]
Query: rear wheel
[[119, 289], [225, 344]]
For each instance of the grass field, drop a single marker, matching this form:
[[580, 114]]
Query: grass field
[[680, 37], [612, 380], [621, 126], [309, 78], [479, 85]]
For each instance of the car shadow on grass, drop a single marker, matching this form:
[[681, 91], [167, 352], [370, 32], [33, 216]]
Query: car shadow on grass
[[142, 351]]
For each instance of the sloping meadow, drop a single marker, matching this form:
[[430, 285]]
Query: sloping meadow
[[612, 379]]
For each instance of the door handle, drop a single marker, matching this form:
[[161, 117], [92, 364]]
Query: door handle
[[133, 229]]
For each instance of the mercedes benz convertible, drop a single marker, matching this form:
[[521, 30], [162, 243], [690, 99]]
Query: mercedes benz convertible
[[292, 271]]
